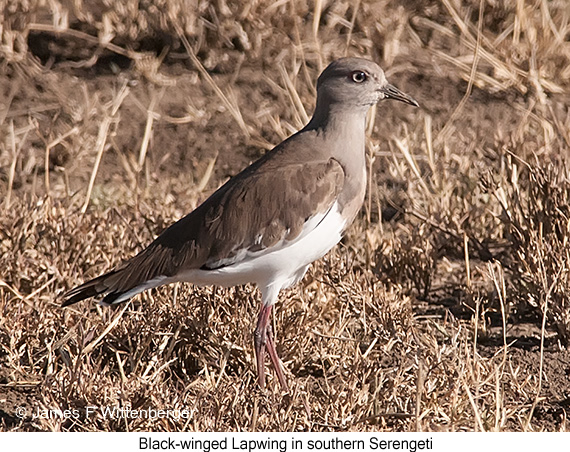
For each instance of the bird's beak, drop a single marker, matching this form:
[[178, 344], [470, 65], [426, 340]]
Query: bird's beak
[[391, 92]]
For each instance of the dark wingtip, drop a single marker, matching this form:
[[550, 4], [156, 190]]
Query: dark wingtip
[[78, 293], [66, 303], [89, 289]]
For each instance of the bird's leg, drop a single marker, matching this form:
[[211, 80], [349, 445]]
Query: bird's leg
[[260, 340], [275, 359], [263, 338]]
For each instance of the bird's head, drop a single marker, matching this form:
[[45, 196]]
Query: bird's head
[[356, 82]]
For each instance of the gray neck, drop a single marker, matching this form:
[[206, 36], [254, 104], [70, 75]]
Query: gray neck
[[344, 131]]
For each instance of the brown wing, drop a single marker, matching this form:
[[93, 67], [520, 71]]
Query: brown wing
[[254, 210]]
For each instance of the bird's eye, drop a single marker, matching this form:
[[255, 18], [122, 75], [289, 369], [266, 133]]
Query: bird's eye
[[359, 76]]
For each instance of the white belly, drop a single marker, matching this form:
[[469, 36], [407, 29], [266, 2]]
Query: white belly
[[280, 266]]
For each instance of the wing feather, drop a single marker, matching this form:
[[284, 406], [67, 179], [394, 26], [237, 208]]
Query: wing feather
[[260, 207]]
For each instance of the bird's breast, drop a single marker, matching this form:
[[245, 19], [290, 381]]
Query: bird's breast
[[352, 195]]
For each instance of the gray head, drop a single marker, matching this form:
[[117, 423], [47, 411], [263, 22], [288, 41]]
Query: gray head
[[355, 83]]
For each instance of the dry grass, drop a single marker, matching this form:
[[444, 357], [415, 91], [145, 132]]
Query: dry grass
[[445, 308]]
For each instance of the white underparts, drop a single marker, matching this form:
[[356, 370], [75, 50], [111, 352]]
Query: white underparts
[[274, 268]]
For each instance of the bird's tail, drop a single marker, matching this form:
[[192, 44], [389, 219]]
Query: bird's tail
[[92, 288], [110, 286]]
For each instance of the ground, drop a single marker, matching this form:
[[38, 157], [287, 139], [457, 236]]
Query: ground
[[446, 305]]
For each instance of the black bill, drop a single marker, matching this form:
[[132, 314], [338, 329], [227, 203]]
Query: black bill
[[391, 92]]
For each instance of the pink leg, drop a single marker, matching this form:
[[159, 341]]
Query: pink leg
[[263, 338]]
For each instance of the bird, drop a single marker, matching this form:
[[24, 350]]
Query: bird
[[268, 223]]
